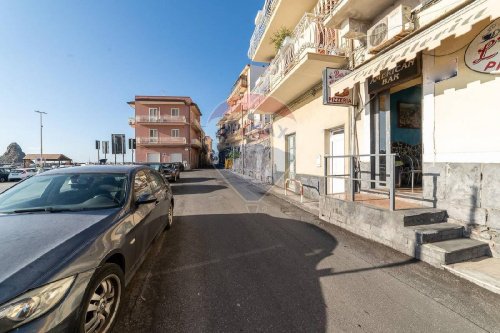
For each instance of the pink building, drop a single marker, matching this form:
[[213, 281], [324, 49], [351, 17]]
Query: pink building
[[167, 129]]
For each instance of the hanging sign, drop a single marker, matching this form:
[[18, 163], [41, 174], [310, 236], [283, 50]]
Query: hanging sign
[[330, 76], [483, 53]]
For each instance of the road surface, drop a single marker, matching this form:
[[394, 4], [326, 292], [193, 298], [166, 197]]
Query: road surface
[[239, 260]]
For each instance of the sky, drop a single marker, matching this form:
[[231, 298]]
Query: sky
[[81, 61]]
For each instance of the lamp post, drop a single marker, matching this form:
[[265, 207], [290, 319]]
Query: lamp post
[[41, 135]]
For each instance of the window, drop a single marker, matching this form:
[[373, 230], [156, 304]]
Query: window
[[175, 133], [153, 113], [141, 185], [175, 112], [153, 135], [156, 181]]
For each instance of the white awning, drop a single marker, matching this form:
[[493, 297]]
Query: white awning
[[457, 24]]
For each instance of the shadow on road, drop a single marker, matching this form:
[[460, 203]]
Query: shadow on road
[[231, 273], [193, 180], [198, 189]]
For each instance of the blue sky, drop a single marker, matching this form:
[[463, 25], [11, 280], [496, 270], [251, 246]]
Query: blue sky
[[81, 61]]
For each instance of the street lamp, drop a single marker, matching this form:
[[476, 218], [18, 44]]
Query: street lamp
[[41, 135]]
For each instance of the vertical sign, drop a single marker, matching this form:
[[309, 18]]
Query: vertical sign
[[330, 77]]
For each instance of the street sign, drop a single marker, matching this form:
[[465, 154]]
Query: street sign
[[330, 76], [105, 147], [118, 144]]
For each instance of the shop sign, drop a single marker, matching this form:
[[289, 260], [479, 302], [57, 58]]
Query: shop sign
[[483, 53], [404, 71], [330, 77]]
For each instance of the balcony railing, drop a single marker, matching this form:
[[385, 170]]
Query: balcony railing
[[310, 35], [260, 27], [325, 7], [196, 123], [196, 142], [168, 140], [242, 82], [162, 119]]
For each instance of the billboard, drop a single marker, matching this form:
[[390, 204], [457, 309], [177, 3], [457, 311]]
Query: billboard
[[118, 144], [330, 76], [105, 147]]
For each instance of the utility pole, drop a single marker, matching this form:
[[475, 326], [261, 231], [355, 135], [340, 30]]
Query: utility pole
[[41, 135]]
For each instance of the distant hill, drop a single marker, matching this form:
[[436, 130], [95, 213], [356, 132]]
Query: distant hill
[[14, 154]]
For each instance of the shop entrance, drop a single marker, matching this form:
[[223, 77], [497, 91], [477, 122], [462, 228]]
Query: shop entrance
[[397, 128]]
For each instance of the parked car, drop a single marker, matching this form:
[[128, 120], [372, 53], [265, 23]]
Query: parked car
[[180, 165], [4, 175], [171, 171], [71, 240], [20, 174]]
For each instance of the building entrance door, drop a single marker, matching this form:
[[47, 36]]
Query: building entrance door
[[337, 165]]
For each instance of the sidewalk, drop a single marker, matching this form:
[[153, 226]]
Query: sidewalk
[[308, 205], [484, 271]]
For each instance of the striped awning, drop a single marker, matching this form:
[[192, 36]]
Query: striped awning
[[457, 24]]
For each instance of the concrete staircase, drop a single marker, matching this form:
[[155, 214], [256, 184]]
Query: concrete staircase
[[444, 243]]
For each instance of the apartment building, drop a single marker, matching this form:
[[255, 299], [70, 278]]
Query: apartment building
[[240, 128], [167, 129], [290, 90], [388, 102]]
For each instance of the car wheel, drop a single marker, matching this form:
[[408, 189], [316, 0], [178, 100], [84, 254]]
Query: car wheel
[[102, 300], [170, 217], [2, 180]]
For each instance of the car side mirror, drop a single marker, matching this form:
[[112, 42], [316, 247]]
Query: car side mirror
[[145, 199]]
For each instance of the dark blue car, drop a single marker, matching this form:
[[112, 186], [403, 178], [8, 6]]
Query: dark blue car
[[70, 241]]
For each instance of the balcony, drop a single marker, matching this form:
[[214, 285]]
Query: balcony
[[161, 141], [196, 124], [274, 15], [196, 143], [335, 12], [239, 88], [298, 66], [163, 120], [235, 136]]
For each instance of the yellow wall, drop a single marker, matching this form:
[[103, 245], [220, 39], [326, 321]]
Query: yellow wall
[[309, 122]]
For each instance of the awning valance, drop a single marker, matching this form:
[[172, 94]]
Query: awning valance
[[457, 24]]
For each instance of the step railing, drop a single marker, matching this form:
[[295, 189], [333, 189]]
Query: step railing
[[352, 177]]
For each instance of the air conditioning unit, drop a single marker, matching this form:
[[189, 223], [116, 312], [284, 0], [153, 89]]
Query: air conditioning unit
[[353, 29], [391, 28]]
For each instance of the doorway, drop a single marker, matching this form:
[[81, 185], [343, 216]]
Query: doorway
[[336, 165]]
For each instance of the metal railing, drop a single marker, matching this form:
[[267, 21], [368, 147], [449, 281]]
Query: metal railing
[[160, 119], [161, 140], [325, 7], [353, 178], [196, 123], [261, 26], [310, 35]]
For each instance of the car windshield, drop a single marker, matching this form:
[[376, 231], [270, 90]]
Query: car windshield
[[65, 192], [155, 167]]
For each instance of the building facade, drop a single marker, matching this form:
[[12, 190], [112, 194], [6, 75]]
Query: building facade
[[167, 129], [383, 97]]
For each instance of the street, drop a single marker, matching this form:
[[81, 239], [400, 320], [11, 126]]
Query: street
[[240, 260], [6, 185]]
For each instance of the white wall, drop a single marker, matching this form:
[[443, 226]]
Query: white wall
[[309, 122], [461, 115]]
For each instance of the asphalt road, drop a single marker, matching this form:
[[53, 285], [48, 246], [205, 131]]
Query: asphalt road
[[6, 185], [238, 260]]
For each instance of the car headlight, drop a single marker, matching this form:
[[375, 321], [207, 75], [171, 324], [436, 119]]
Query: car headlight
[[33, 304]]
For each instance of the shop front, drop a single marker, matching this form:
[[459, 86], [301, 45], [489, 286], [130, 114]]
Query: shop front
[[396, 124]]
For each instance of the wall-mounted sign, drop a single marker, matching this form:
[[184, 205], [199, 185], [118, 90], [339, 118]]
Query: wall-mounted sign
[[330, 76], [483, 53], [402, 72]]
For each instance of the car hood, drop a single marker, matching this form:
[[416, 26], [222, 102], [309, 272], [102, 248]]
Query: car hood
[[34, 247]]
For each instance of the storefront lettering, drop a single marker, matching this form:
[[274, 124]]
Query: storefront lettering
[[483, 53], [404, 71]]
